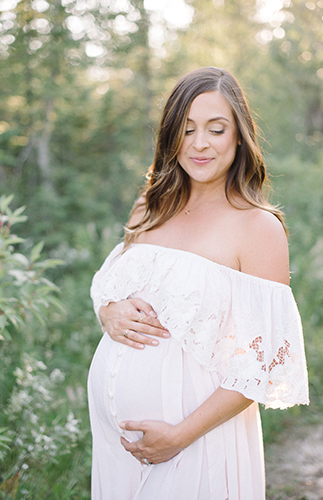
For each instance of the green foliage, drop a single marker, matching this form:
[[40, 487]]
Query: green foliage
[[4, 441], [38, 438], [40, 426], [298, 189], [24, 290], [296, 64]]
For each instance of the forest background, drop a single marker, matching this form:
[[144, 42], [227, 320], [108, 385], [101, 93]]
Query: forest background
[[82, 85]]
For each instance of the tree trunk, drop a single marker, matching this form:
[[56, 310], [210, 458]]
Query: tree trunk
[[43, 149]]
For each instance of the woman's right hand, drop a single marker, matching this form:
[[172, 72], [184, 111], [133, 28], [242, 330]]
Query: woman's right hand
[[131, 321]]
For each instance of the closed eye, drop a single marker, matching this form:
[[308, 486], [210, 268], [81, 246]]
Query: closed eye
[[217, 132], [188, 132]]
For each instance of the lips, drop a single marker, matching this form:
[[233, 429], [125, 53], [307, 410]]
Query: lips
[[200, 160]]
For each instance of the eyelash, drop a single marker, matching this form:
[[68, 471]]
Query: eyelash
[[216, 132]]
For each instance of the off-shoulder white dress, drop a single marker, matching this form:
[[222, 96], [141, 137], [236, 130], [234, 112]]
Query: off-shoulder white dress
[[228, 329]]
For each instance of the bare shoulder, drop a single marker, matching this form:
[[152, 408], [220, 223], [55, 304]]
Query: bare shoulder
[[138, 211], [264, 246]]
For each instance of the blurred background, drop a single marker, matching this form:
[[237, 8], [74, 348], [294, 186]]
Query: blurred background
[[81, 90]]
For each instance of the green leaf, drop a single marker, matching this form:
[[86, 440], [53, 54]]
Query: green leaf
[[20, 276], [5, 201], [3, 321], [15, 220], [4, 218], [14, 318], [19, 211], [13, 240], [22, 259], [5, 335], [49, 285], [36, 251], [38, 316], [3, 438], [49, 263], [43, 302], [57, 303]]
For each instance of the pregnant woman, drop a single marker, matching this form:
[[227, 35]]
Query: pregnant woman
[[203, 267]]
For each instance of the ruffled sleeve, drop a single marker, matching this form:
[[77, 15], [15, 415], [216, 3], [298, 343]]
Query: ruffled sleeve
[[266, 361], [99, 279]]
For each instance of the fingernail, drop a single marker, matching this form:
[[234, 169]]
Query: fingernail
[[122, 425], [141, 346], [153, 314], [154, 342], [166, 335]]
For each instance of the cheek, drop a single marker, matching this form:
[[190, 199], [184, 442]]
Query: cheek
[[184, 145], [181, 152], [228, 144]]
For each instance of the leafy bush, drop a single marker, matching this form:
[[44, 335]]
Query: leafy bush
[[39, 425], [24, 289]]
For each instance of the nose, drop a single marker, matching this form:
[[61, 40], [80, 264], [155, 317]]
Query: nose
[[200, 141]]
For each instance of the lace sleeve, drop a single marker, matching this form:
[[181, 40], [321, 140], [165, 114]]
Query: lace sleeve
[[98, 282], [267, 360]]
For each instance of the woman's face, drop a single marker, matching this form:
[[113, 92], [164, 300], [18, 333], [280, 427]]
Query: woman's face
[[210, 141]]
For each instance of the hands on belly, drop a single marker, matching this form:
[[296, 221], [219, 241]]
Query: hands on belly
[[131, 321], [158, 443]]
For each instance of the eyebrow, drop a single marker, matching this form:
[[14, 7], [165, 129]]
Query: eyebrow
[[212, 119]]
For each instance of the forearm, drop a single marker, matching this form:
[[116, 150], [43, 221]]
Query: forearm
[[221, 406]]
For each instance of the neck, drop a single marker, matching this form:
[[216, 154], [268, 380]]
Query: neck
[[196, 203], [206, 194]]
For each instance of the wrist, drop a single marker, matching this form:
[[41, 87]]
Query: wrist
[[182, 437]]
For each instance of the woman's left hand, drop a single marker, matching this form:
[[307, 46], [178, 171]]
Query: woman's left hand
[[158, 443]]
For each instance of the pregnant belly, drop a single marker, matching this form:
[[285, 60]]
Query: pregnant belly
[[157, 383], [130, 384], [139, 383]]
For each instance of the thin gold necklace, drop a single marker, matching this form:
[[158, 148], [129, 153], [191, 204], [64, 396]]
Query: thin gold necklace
[[188, 210]]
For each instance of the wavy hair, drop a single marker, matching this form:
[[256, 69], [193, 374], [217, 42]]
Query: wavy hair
[[167, 189]]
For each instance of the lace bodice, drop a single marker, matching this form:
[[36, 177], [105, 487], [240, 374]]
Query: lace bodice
[[245, 328]]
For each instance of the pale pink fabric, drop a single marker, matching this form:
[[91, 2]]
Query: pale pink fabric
[[227, 328]]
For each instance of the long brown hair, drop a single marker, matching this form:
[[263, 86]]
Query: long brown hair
[[168, 186]]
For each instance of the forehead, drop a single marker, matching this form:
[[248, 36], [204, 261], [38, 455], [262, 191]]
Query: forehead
[[210, 105]]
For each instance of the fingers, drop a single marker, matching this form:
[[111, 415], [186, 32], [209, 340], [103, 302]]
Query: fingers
[[136, 447], [131, 447], [137, 451], [132, 322], [135, 339], [132, 425], [143, 327], [143, 306], [132, 339], [138, 323], [146, 314]]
